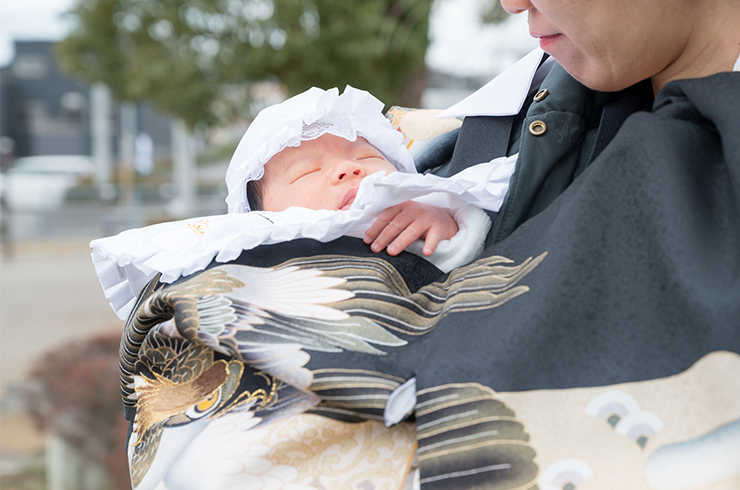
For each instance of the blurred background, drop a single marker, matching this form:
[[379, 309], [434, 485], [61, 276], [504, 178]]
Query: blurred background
[[117, 114]]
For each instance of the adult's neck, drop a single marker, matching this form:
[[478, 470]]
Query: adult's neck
[[712, 46]]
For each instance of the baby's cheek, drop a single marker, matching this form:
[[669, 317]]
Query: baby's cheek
[[273, 203]]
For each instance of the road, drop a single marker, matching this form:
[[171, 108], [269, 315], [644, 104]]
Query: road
[[49, 297]]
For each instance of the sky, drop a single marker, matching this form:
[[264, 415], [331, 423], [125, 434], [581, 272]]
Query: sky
[[32, 20], [460, 45]]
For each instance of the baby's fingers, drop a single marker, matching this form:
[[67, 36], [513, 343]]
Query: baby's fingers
[[409, 233], [379, 224], [387, 227], [431, 241]]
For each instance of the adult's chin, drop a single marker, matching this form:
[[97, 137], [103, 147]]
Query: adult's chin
[[592, 72]]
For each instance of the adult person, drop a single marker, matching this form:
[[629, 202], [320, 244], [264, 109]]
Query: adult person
[[628, 176], [614, 65], [596, 340]]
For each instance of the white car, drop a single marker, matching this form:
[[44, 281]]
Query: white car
[[39, 183]]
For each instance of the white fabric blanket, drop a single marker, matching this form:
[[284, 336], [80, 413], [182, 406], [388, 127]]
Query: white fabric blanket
[[126, 262]]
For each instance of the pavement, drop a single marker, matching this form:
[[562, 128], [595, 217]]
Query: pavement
[[49, 296]]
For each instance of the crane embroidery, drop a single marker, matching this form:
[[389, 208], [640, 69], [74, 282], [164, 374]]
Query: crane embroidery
[[241, 339]]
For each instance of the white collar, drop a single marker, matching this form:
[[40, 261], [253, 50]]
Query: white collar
[[502, 96], [505, 94]]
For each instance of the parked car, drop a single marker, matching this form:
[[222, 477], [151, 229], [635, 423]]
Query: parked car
[[39, 183]]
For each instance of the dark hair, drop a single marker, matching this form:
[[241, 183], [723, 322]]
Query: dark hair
[[254, 195]]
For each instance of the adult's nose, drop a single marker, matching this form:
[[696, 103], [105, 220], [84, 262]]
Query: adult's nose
[[516, 6], [347, 170]]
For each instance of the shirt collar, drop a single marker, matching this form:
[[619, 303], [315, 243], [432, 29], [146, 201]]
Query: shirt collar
[[505, 94], [502, 96]]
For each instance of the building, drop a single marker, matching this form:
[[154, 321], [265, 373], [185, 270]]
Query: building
[[44, 112]]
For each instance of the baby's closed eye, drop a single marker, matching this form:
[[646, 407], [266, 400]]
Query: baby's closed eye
[[305, 173]]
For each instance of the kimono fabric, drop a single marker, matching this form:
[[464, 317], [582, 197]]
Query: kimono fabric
[[598, 346]]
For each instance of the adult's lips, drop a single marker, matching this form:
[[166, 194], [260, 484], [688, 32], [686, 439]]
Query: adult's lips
[[545, 39]]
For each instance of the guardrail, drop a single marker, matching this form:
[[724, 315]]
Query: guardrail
[[84, 214]]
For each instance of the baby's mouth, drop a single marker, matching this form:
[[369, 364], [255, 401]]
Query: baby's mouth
[[349, 198]]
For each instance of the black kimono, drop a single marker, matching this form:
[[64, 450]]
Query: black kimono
[[595, 343]]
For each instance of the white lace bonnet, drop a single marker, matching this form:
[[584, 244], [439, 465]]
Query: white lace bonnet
[[306, 117]]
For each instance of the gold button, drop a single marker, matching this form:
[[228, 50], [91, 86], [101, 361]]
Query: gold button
[[541, 95], [537, 128]]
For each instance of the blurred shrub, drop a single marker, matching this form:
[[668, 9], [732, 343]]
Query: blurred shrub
[[75, 395], [193, 58]]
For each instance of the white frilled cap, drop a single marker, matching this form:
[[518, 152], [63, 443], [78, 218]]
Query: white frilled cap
[[304, 117]]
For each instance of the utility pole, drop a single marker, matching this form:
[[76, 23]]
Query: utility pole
[[183, 160], [101, 133], [126, 155]]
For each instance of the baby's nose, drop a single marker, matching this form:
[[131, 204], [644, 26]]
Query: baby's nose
[[347, 170]]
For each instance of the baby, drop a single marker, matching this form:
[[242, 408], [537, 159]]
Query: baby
[[325, 173], [340, 143], [313, 151]]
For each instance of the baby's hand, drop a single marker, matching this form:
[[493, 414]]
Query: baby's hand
[[403, 223]]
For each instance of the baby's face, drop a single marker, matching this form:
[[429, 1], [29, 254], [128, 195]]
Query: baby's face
[[320, 174]]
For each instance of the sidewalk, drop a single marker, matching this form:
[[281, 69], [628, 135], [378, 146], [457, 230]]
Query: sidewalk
[[49, 297]]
